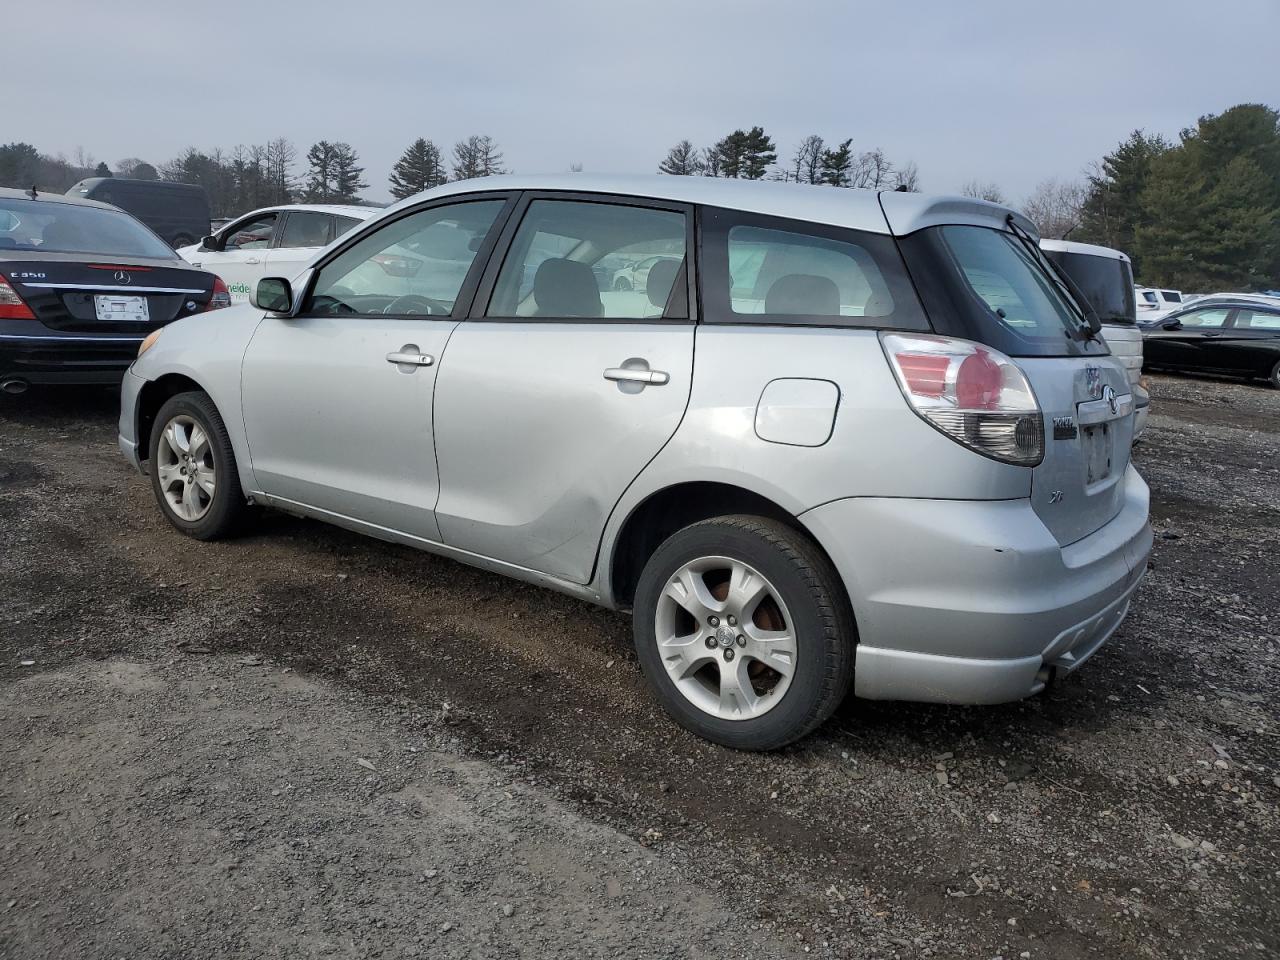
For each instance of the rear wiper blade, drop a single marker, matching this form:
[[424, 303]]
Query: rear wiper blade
[[1087, 330]]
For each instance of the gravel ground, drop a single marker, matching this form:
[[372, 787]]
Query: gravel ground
[[306, 743]]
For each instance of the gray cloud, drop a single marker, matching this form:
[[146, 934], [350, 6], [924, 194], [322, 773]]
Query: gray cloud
[[998, 90]]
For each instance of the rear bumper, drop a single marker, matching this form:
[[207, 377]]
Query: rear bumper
[[66, 359], [970, 601]]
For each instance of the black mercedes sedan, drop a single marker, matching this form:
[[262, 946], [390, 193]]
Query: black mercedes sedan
[[1237, 336], [81, 285]]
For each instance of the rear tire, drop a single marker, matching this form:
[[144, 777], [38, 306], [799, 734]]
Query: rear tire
[[743, 630], [182, 240], [193, 468], [1274, 379]]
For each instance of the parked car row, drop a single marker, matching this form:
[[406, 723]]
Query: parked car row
[[897, 461]]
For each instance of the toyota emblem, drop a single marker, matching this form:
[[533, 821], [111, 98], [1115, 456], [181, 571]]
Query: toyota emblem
[[122, 276]]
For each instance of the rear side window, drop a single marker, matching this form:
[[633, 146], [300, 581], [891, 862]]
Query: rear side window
[[1258, 320], [342, 224], [304, 228], [767, 270], [577, 259]]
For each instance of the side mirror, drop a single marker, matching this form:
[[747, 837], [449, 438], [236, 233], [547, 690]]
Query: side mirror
[[274, 295], [210, 243], [1171, 325]]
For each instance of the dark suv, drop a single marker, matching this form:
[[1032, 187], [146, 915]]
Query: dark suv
[[178, 212]]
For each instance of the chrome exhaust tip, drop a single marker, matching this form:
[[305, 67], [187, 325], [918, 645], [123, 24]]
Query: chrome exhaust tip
[[13, 386]]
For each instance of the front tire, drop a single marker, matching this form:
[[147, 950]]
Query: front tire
[[1274, 379], [743, 630], [193, 468]]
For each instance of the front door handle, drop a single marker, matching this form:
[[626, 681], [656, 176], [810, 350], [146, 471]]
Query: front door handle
[[637, 375], [253, 260], [410, 356]]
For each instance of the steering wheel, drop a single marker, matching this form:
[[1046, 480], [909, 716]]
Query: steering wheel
[[409, 302]]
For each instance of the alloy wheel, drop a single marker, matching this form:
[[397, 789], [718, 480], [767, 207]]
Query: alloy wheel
[[185, 468], [725, 638]]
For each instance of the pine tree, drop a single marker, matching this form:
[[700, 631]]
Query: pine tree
[[836, 165], [682, 161], [419, 168], [346, 173], [1114, 208], [320, 176], [102, 170]]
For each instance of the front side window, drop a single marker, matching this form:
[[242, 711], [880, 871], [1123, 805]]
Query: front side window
[[1258, 320], [768, 270], [71, 228], [252, 234], [414, 266], [578, 259], [1204, 318], [305, 228]]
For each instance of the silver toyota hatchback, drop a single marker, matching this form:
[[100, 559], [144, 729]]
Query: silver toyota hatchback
[[820, 438]]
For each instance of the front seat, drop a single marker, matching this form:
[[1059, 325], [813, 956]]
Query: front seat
[[657, 286], [803, 294], [566, 288]]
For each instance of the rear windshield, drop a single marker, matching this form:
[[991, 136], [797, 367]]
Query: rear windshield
[[989, 285], [1106, 282], [35, 225]]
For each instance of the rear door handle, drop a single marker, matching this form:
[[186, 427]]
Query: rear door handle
[[632, 375], [409, 357]]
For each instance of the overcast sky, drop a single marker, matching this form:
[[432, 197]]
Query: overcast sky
[[1011, 91]]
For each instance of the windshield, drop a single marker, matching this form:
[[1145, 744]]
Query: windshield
[[42, 226], [1106, 282]]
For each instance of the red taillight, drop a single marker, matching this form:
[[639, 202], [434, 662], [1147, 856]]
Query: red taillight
[[978, 383], [975, 395], [926, 375], [221, 296], [12, 306]]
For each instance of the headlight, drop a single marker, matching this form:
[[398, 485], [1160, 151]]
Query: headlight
[[150, 341]]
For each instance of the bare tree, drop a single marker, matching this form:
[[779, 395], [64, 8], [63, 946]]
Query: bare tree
[[907, 178], [879, 169], [980, 190], [476, 156], [1055, 206], [806, 167]]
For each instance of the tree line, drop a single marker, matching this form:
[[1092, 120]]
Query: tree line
[[1200, 212], [753, 155]]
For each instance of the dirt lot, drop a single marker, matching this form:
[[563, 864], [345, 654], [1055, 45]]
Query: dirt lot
[[305, 743]]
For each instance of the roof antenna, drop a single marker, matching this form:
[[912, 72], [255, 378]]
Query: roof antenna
[[32, 192], [901, 188]]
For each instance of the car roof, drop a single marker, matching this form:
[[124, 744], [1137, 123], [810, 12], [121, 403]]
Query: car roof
[[7, 193], [868, 210], [1242, 303], [1088, 249]]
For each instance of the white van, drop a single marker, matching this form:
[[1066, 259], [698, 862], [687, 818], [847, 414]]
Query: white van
[[1105, 277]]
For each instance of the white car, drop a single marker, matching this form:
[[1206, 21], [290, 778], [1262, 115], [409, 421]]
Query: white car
[[1153, 302], [273, 241]]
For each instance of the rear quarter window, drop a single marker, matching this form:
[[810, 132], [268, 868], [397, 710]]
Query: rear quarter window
[[770, 270]]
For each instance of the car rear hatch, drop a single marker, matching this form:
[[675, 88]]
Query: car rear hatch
[[981, 277], [107, 295]]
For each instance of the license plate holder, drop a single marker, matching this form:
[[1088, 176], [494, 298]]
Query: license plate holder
[[1098, 446], [121, 309]]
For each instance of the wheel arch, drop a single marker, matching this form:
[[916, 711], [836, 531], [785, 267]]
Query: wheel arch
[[671, 508], [152, 397]]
